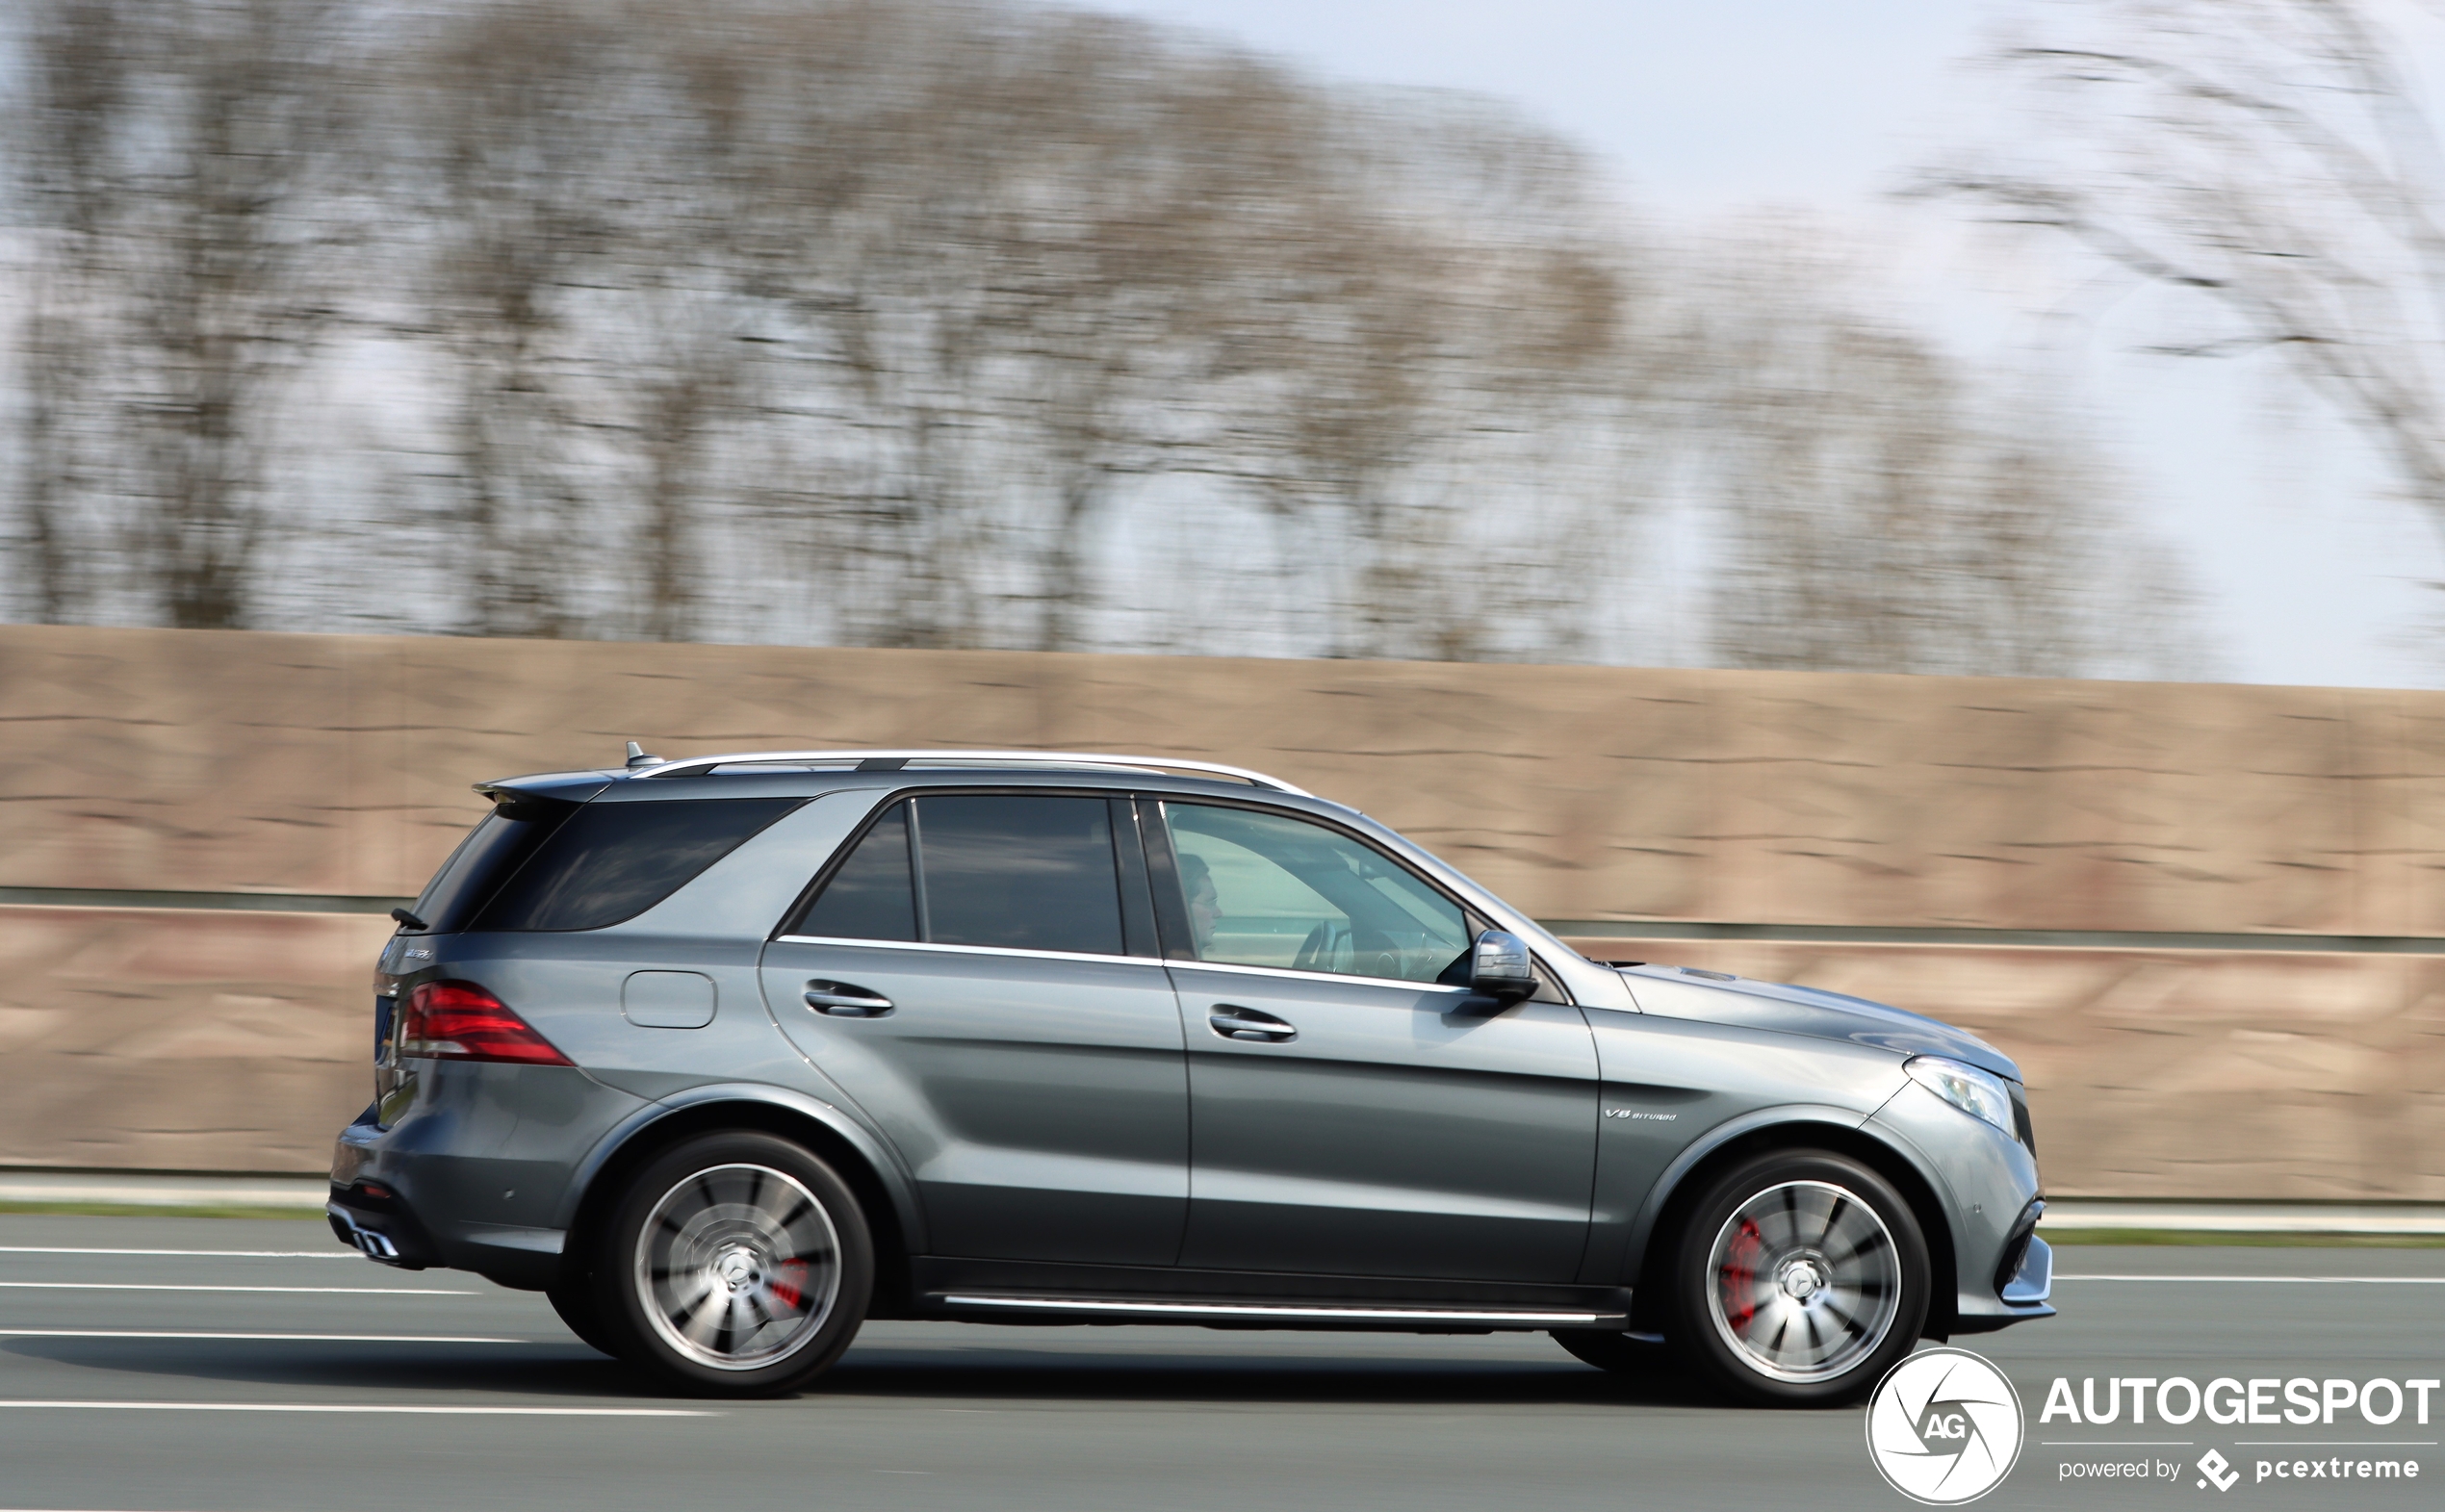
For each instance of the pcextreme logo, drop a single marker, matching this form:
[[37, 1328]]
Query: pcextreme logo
[[1943, 1426], [2214, 1467]]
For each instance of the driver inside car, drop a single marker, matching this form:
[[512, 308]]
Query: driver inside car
[[1205, 900]]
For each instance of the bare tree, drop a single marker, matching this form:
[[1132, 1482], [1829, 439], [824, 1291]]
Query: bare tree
[[2266, 159], [175, 155], [1878, 510], [942, 323], [500, 131], [76, 83]]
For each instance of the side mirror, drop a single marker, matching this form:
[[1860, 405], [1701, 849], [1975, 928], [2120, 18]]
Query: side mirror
[[1498, 969]]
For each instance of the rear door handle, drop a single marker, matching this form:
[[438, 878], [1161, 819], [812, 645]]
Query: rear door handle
[[846, 1000], [1234, 1022]]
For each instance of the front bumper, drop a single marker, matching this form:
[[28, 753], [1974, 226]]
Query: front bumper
[[1987, 1183]]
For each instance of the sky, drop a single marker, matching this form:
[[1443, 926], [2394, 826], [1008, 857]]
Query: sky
[[2307, 572]]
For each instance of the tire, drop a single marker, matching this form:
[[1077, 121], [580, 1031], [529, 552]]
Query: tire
[[734, 1265], [575, 1302], [1616, 1352], [1797, 1280]]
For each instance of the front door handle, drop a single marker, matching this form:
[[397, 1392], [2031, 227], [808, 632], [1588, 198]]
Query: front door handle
[[846, 1000], [1234, 1022]]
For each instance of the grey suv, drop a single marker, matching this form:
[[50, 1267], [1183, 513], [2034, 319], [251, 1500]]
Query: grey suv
[[726, 1055]]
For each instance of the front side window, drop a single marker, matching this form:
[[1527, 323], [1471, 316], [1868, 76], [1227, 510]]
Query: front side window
[[1015, 871], [1265, 889]]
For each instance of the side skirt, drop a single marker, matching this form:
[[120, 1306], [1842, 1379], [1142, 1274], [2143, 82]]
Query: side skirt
[[1030, 1291]]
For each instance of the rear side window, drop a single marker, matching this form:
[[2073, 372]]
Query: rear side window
[[1020, 872], [608, 862]]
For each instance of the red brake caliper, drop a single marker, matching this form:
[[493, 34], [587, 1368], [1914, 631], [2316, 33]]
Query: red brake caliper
[[790, 1283], [1735, 1282]]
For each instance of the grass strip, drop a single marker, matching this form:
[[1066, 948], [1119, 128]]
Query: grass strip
[[148, 1210], [2247, 1239]]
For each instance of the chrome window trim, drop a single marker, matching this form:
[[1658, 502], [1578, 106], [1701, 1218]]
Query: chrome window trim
[[1297, 975], [966, 950], [1119, 960]]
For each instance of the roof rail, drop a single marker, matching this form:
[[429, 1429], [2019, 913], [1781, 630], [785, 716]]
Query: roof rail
[[895, 760]]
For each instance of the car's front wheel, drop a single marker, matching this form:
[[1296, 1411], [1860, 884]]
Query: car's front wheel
[[1617, 1352], [734, 1265], [1798, 1279]]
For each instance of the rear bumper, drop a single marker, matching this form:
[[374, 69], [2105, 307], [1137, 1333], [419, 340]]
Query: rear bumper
[[478, 1172], [370, 1217]]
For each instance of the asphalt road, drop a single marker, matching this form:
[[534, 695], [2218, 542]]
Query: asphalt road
[[164, 1381]]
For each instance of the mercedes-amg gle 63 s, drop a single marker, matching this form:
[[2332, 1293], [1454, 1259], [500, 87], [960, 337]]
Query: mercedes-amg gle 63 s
[[726, 1055]]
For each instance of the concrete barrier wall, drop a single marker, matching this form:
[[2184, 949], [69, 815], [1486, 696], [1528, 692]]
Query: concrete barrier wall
[[212, 763]]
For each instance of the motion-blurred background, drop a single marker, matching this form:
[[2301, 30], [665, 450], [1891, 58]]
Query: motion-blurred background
[[891, 353], [921, 323]]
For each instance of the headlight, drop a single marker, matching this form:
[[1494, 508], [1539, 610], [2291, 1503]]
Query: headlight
[[1978, 1094]]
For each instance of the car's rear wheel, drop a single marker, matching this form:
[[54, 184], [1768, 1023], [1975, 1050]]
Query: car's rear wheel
[[1798, 1279], [734, 1265], [575, 1302]]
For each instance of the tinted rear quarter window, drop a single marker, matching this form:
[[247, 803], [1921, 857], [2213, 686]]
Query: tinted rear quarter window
[[501, 842], [609, 862]]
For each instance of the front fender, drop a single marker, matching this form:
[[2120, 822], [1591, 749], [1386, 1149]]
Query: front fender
[[1622, 1267], [1666, 1077], [878, 1155]]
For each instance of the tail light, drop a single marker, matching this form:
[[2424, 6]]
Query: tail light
[[461, 1021]]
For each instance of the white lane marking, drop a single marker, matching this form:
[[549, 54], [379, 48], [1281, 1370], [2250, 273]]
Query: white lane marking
[[156, 1285], [217, 1254], [365, 1407], [2280, 1280], [146, 1333]]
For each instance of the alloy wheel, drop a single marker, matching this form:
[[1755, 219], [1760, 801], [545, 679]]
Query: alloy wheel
[[1803, 1281], [738, 1267]]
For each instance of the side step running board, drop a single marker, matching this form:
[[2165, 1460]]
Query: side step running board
[[1314, 1314]]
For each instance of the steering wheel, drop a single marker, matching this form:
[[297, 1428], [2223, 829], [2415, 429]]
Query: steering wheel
[[1321, 948]]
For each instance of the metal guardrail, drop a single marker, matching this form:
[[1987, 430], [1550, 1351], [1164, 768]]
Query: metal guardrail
[[232, 901], [139, 1189], [1569, 929], [2068, 1216], [163, 1190], [1953, 935]]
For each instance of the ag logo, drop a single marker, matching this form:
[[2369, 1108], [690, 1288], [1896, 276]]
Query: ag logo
[[1943, 1426]]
